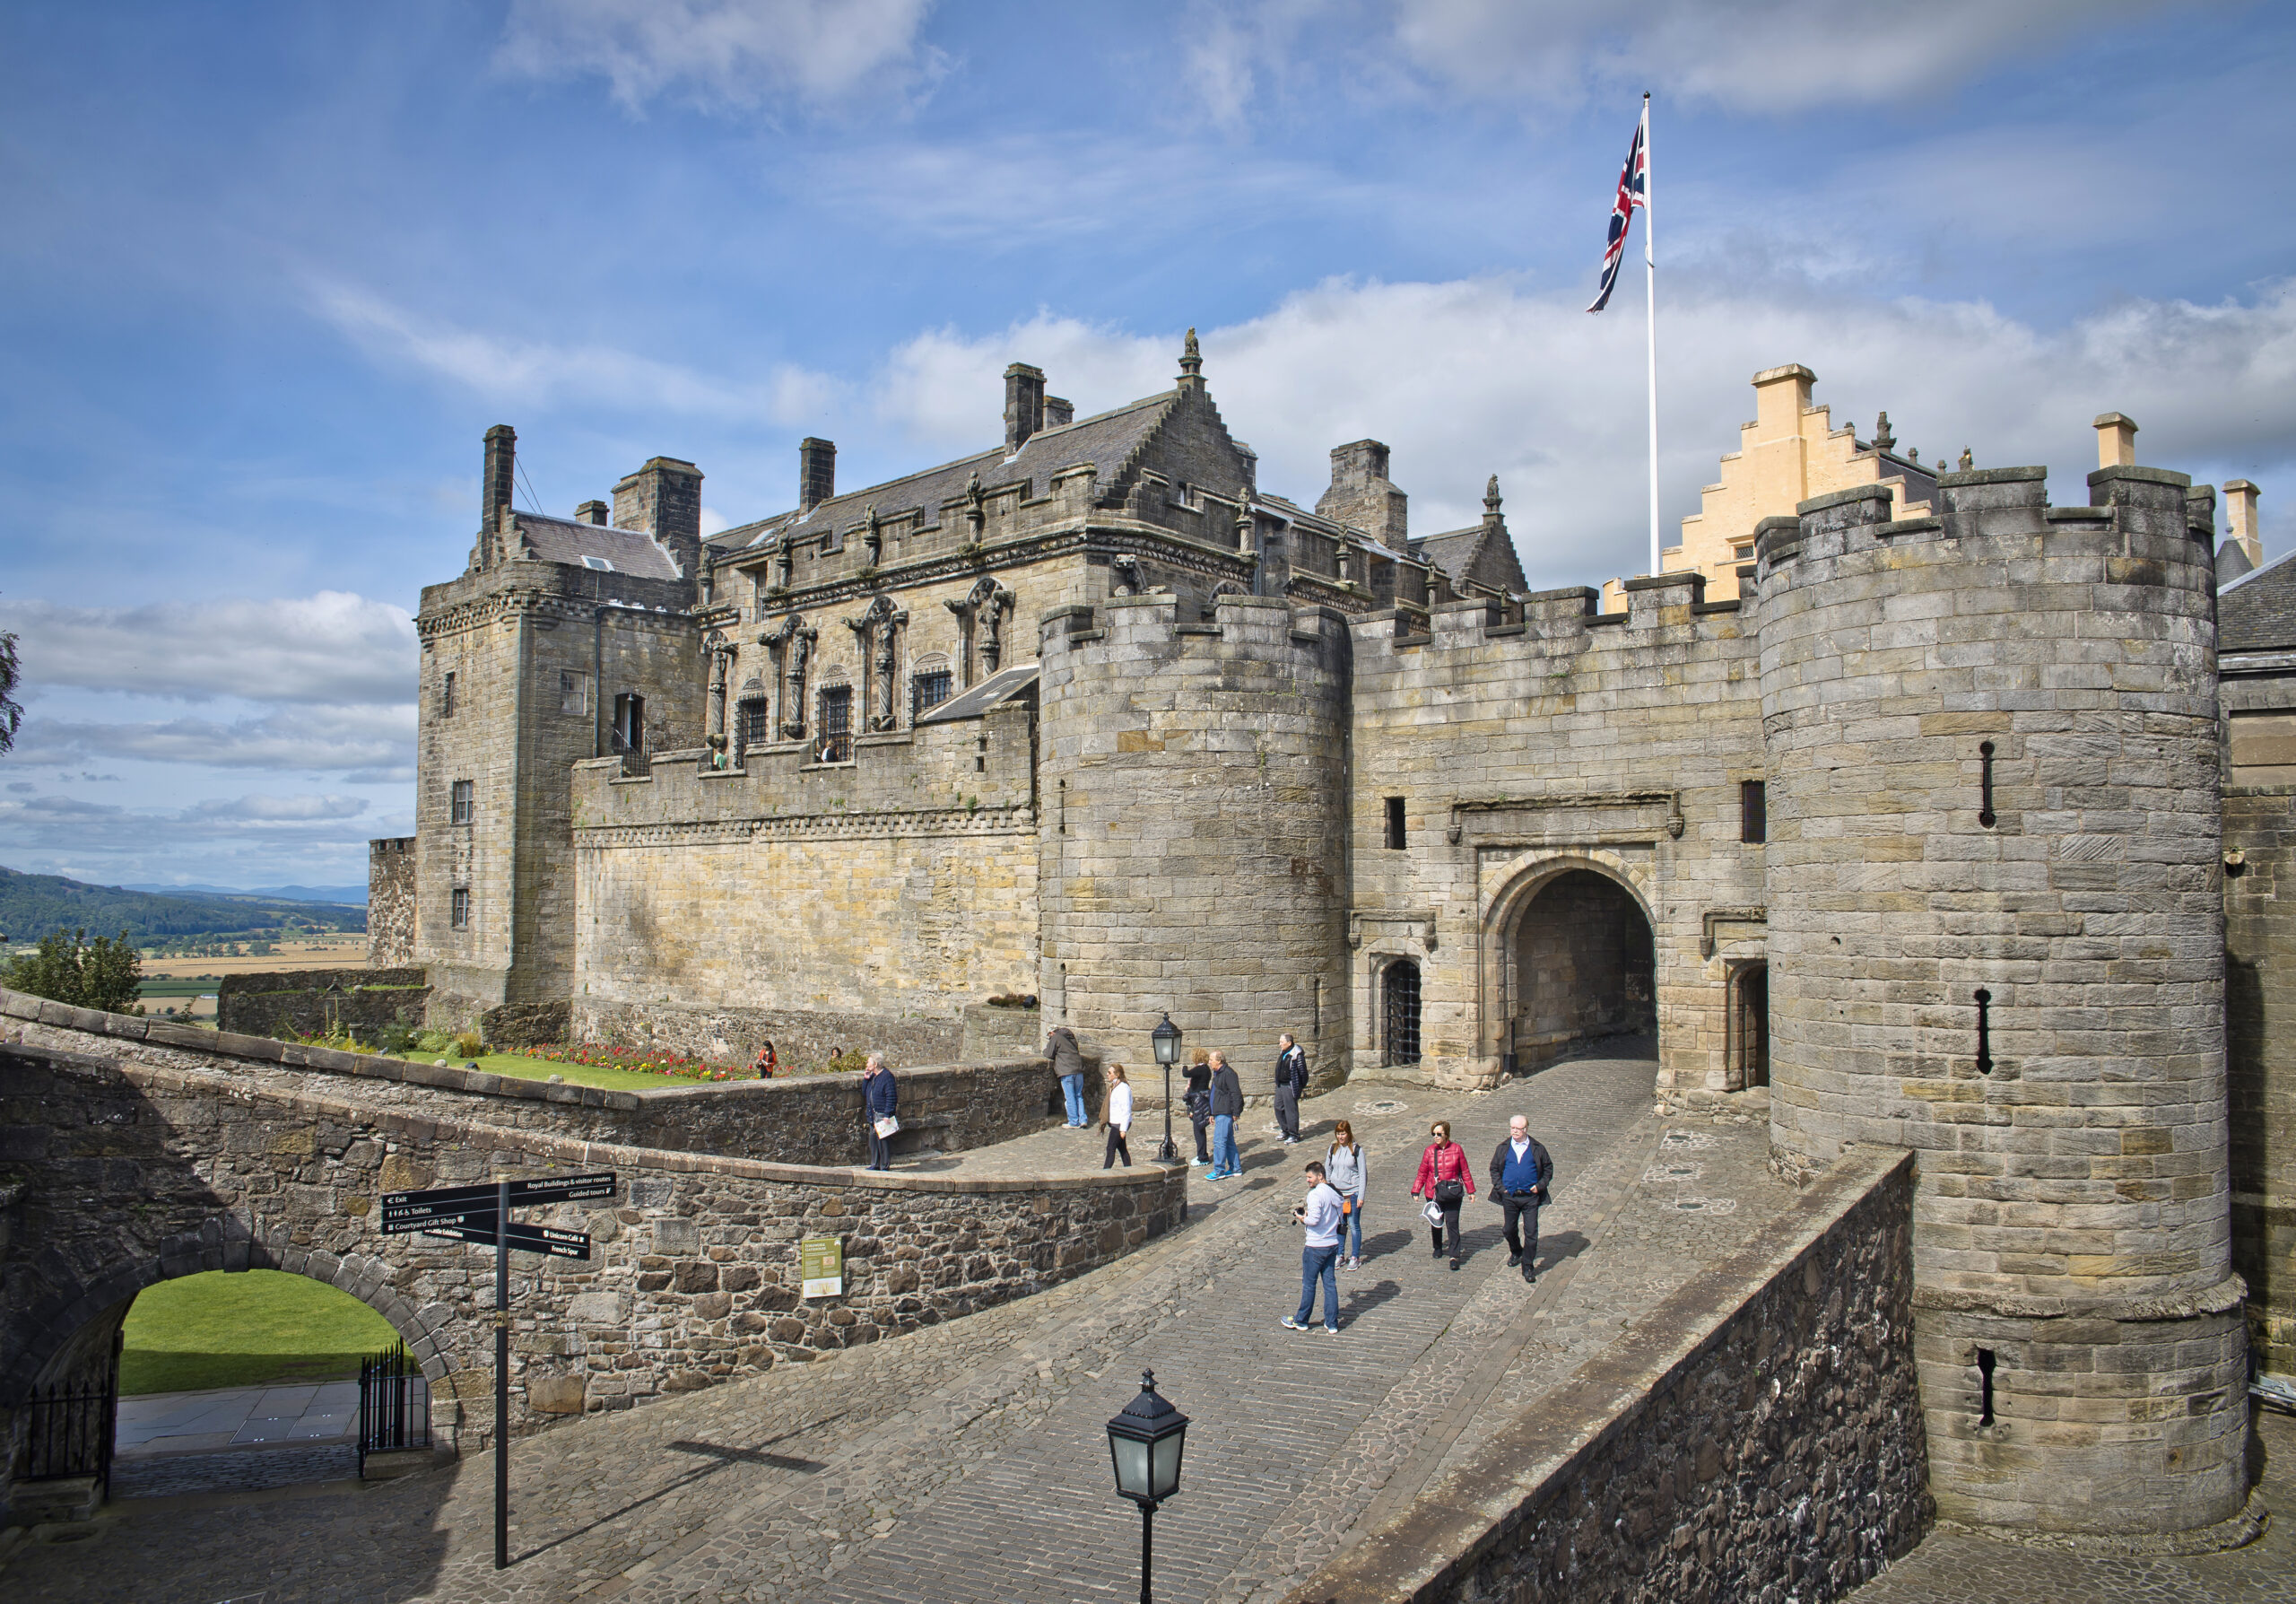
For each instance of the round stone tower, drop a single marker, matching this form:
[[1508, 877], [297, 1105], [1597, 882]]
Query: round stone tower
[[1996, 935], [1193, 846]]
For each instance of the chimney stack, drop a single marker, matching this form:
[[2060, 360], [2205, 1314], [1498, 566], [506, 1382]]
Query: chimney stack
[[663, 500], [1362, 495], [502, 464], [1059, 414], [2240, 512], [2116, 440], [816, 472], [1023, 405], [590, 512]]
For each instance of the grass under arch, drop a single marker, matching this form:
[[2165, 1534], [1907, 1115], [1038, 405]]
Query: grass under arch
[[245, 1329]]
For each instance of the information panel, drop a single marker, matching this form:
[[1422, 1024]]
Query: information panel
[[821, 1261]]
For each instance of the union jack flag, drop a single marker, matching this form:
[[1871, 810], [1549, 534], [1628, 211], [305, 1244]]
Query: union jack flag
[[1633, 190]]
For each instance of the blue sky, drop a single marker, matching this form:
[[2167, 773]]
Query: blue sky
[[271, 271]]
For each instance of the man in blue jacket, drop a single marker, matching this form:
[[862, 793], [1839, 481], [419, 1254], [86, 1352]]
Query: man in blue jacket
[[879, 1097], [1520, 1170]]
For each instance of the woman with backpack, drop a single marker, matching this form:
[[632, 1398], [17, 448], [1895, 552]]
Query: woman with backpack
[[1446, 1180], [1343, 1173]]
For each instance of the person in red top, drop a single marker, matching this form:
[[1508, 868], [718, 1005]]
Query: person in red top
[[1446, 1180]]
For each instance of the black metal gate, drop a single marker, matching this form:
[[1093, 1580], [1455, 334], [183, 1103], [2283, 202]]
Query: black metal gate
[[70, 1430], [1401, 985], [394, 1404]]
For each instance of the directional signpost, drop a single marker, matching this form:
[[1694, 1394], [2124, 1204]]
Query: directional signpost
[[482, 1214]]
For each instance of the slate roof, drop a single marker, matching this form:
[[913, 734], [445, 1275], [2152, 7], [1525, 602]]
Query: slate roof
[[2258, 611], [567, 540], [1108, 440], [1473, 553]]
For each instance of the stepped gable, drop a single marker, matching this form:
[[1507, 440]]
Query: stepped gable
[[1109, 441], [2258, 611], [566, 540]]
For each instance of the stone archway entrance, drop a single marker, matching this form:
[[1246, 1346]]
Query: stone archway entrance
[[1584, 967]]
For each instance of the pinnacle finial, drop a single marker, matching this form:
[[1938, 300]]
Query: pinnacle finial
[[1883, 440], [1491, 497], [1967, 461], [1191, 358]]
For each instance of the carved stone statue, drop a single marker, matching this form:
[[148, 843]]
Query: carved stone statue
[[976, 509], [873, 535], [796, 643], [721, 665]]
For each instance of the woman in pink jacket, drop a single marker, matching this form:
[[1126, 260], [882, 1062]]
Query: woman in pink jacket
[[1445, 1180]]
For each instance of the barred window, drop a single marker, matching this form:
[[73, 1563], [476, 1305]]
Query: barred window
[[462, 807], [930, 691], [836, 745], [756, 722]]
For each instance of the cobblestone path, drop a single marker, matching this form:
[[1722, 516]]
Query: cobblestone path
[[968, 1461]]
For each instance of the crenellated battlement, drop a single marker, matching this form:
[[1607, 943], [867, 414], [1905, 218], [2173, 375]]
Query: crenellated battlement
[[1258, 629], [2141, 513]]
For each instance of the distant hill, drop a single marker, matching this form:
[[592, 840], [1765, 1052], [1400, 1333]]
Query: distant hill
[[32, 905], [352, 895]]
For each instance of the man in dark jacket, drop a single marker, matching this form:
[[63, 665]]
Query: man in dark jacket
[[879, 1097], [1227, 1107], [1069, 1063], [1520, 1170], [1290, 1080]]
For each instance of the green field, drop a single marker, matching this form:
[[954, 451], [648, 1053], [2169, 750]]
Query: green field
[[581, 1075], [222, 1328]]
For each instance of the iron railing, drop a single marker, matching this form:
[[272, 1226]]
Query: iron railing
[[394, 1404], [70, 1430]]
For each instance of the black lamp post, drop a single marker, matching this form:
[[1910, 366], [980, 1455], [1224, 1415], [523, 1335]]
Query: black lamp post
[[1145, 1442], [1167, 1038]]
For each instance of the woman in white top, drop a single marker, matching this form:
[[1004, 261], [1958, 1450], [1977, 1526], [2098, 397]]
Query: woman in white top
[[1118, 1117]]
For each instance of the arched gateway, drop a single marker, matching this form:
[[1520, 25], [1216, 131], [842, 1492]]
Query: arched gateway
[[1569, 958]]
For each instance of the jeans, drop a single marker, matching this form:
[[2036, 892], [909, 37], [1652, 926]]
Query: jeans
[[1117, 1148], [1319, 1264], [1224, 1160], [1201, 1122], [1353, 1225], [1526, 1210], [1071, 1086]]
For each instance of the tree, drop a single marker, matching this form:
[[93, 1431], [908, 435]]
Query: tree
[[103, 973], [12, 716]]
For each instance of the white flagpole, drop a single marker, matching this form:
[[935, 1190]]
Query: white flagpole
[[1650, 285]]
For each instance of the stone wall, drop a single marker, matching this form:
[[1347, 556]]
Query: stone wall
[[861, 904], [804, 1120], [2260, 1055], [1611, 743], [311, 1002], [1756, 1435], [693, 1276], [390, 903]]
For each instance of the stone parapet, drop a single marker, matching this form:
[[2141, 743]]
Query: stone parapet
[[1755, 1435]]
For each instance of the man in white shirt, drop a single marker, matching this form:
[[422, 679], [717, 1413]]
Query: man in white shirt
[[1320, 1217]]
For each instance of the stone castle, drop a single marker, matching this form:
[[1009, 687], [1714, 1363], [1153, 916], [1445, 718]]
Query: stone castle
[[1088, 718]]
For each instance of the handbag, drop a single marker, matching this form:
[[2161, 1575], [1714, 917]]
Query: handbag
[[886, 1126], [1449, 1193]]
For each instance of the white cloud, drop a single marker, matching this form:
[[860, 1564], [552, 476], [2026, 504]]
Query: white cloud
[[330, 648], [722, 54], [1758, 55], [275, 810], [539, 373], [1472, 377], [295, 739]]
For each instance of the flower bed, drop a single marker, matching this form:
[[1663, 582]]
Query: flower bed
[[636, 1060]]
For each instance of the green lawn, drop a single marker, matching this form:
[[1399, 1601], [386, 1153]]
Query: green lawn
[[222, 1328], [581, 1075]]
